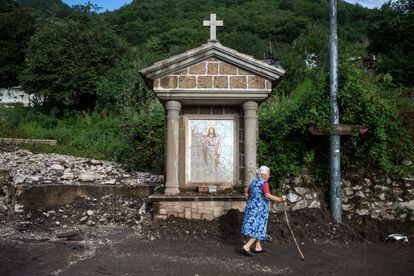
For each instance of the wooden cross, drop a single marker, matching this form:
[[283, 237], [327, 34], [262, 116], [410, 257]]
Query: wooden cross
[[212, 23]]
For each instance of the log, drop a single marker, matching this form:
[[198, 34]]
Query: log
[[68, 234], [28, 141]]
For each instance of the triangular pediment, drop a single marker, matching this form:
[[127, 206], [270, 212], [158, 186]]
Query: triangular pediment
[[207, 66]]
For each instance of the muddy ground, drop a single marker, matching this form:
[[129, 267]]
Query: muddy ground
[[117, 236]]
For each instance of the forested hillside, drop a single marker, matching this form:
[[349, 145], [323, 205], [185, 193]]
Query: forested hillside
[[249, 26], [82, 65], [45, 7]]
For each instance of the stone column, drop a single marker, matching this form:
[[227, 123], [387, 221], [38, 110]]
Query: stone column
[[250, 144], [173, 123]]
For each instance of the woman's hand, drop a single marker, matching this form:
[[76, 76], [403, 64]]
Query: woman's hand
[[275, 198]]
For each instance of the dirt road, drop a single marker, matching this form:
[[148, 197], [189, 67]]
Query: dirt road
[[122, 252]]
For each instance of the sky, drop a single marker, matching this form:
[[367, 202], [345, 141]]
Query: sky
[[105, 4], [116, 4]]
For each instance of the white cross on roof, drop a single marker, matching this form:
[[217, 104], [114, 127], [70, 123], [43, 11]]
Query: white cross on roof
[[213, 23]]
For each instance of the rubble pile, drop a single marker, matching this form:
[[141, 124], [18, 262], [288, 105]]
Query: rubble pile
[[45, 168], [88, 211]]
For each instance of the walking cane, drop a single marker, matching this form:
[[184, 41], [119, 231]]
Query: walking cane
[[290, 228]]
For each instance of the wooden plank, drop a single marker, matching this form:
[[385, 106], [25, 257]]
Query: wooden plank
[[28, 141], [339, 129]]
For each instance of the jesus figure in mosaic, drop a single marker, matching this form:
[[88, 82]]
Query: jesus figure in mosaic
[[211, 147]]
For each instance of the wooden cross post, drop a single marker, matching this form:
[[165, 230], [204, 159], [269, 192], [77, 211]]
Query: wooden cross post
[[339, 129], [213, 24]]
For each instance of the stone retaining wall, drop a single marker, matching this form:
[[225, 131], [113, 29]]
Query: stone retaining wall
[[195, 207], [362, 196]]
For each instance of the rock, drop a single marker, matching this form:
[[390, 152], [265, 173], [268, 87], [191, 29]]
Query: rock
[[3, 208], [87, 176], [57, 223], [346, 207], [19, 179], [344, 199], [100, 175], [360, 194], [362, 212], [22, 152], [89, 212], [309, 196], [297, 180], [83, 219], [110, 182], [388, 216], [367, 181], [409, 204], [346, 182], [35, 179], [374, 215], [57, 167], [300, 205], [18, 208], [50, 212], [388, 181], [90, 223], [315, 204], [300, 190], [67, 176], [403, 216], [67, 170], [407, 162], [381, 196], [292, 197], [94, 162], [357, 187], [348, 191]]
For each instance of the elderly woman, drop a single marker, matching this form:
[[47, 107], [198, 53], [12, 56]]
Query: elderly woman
[[257, 211]]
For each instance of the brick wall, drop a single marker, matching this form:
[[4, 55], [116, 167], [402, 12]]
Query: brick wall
[[212, 74]]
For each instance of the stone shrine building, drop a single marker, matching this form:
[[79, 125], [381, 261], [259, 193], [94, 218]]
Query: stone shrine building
[[211, 95]]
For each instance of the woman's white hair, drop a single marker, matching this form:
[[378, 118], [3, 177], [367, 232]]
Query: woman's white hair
[[263, 170]]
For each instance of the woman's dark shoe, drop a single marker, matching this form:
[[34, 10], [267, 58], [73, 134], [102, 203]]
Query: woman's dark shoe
[[246, 253], [263, 250]]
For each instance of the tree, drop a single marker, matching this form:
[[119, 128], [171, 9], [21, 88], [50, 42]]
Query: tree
[[66, 58], [391, 38], [17, 25], [121, 89]]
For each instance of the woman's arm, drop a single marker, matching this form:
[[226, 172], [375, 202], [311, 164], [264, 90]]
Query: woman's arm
[[275, 198], [247, 193], [267, 194]]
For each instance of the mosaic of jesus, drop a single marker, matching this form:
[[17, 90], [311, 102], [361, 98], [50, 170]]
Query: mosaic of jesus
[[210, 151]]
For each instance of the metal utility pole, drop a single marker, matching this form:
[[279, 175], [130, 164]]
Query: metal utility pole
[[335, 156]]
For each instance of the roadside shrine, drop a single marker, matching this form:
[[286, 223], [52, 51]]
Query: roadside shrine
[[211, 95]]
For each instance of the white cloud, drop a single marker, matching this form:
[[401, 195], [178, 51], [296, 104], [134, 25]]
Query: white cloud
[[368, 3]]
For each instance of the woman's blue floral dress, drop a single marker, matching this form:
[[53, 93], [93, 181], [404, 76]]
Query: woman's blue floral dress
[[257, 211]]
